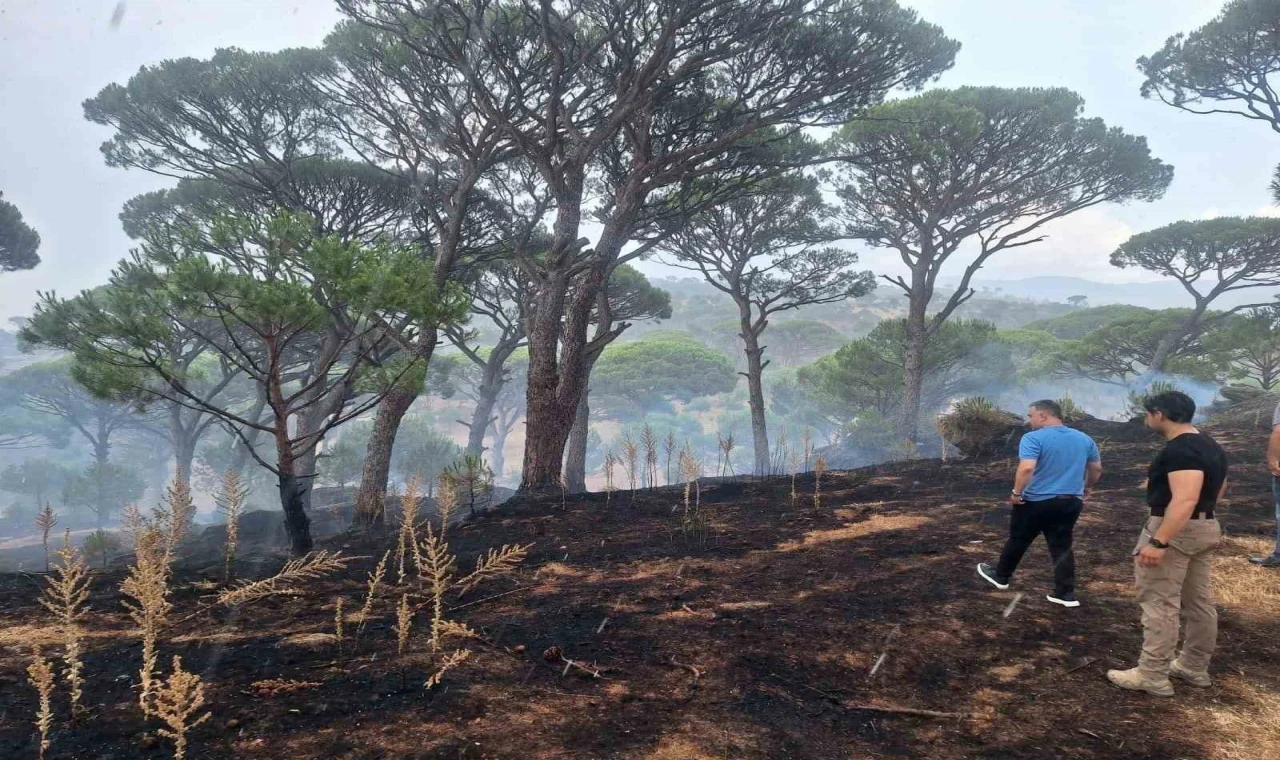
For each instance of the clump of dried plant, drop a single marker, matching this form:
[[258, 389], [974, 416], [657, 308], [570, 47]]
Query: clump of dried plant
[[441, 578], [337, 623], [177, 702], [650, 443], [795, 470], [610, 461], [819, 469], [694, 521], [631, 455], [46, 518], [725, 445], [407, 536], [40, 675], [132, 523], [147, 586], [669, 449], [176, 515], [404, 623], [231, 498], [806, 442], [312, 566], [374, 580], [65, 594]]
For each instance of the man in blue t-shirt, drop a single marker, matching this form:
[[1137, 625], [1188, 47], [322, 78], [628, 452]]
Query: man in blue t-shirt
[[1057, 469]]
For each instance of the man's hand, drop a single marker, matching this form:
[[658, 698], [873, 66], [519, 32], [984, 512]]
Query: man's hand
[[1273, 465], [1016, 500], [1088, 494], [1150, 556]]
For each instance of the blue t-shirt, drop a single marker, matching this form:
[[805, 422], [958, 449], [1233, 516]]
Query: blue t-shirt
[[1061, 455]]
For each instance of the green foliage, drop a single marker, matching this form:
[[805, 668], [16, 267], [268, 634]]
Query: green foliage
[[1135, 404], [38, 479], [866, 375], [18, 242], [1227, 253], [1123, 349], [630, 379], [102, 544], [800, 341], [472, 481], [1077, 324], [1248, 346], [1225, 66], [422, 450], [103, 490], [1071, 411], [342, 463]]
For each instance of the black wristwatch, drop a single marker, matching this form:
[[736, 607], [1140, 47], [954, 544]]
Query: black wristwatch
[[1157, 543]]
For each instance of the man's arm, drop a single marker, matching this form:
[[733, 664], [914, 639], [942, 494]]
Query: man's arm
[[1026, 469], [1273, 451], [1092, 474], [1185, 485]]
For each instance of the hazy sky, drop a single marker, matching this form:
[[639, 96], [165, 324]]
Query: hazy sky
[[56, 53]]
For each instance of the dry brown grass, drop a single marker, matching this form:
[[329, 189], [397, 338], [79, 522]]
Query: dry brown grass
[[611, 461], [40, 675], [1241, 585], [407, 536], [178, 700], [275, 686], [231, 498], [65, 594], [451, 661], [819, 469], [873, 524], [176, 516], [147, 585], [45, 520], [337, 622], [1249, 729]]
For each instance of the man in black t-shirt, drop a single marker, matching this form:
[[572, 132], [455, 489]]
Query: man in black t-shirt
[[1174, 551]]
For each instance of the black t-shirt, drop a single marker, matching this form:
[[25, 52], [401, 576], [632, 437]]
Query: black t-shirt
[[1189, 451]]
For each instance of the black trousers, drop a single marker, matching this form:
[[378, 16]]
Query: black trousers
[[1056, 519]]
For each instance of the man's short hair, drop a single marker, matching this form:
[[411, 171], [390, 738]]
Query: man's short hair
[[1048, 405], [1176, 406]]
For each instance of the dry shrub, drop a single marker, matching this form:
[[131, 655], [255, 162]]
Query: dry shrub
[[147, 585], [404, 623], [40, 675], [375, 578], [65, 593], [132, 523], [176, 516], [650, 443], [337, 622], [976, 427], [724, 453], [312, 566], [631, 455], [178, 699], [440, 579], [611, 461], [819, 469], [694, 521], [46, 518], [231, 498], [669, 449], [407, 537]]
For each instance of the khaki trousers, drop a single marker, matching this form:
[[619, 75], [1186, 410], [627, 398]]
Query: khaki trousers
[[1178, 589]]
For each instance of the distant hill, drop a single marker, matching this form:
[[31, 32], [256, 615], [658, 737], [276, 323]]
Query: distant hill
[[1160, 294]]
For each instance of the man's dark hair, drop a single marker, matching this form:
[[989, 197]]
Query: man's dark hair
[[1048, 405], [1176, 406]]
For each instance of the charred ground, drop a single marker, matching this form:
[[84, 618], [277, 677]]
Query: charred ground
[[760, 642]]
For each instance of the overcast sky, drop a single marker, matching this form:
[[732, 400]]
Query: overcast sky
[[56, 53]]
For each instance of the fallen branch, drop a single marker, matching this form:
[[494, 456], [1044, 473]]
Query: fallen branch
[[676, 663], [572, 664], [904, 711]]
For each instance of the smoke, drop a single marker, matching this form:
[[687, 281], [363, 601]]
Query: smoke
[[117, 15]]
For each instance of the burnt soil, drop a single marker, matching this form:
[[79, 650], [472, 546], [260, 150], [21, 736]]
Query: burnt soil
[[759, 642]]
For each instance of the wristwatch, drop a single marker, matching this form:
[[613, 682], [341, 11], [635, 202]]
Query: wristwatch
[[1157, 543]]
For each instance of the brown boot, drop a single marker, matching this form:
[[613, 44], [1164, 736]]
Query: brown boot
[[1176, 670], [1135, 680]]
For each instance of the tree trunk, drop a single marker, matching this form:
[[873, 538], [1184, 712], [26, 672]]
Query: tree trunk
[[548, 418], [481, 418], [912, 374], [371, 497], [755, 394], [501, 429], [295, 499], [575, 466], [1164, 349]]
